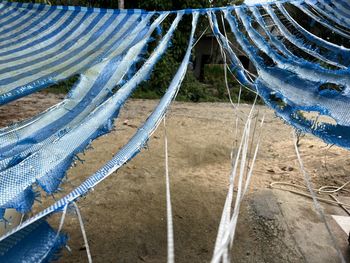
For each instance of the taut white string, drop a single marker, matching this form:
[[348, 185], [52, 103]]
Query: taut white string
[[170, 227], [314, 198], [83, 232], [63, 217]]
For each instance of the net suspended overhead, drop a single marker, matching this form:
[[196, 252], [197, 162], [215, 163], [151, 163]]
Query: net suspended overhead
[[297, 70]]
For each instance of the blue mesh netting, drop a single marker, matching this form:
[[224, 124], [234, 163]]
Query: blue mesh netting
[[296, 71]]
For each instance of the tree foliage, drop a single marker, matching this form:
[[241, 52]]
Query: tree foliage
[[163, 72]]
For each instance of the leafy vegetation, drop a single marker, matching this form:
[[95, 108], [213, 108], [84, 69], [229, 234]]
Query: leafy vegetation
[[213, 87], [63, 86]]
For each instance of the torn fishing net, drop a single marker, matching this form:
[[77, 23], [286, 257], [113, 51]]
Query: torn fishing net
[[297, 72]]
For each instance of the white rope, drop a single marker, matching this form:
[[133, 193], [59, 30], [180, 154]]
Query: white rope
[[222, 48], [314, 198], [229, 197], [220, 246], [250, 169], [228, 224], [170, 228], [279, 186], [83, 232], [332, 189], [227, 240], [237, 107], [227, 206], [241, 174], [200, 37], [239, 187], [226, 66], [63, 217]]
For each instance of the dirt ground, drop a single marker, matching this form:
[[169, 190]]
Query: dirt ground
[[125, 216]]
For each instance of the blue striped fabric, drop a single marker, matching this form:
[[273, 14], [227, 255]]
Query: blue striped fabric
[[344, 5], [59, 42], [141, 136], [312, 70], [332, 52], [47, 166], [295, 81], [333, 13], [297, 41], [306, 9], [12, 142]]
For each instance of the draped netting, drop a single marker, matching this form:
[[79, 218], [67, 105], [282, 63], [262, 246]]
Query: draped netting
[[296, 70]]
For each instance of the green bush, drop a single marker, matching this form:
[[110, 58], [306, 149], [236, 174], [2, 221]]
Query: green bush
[[212, 89], [214, 77], [193, 90], [63, 86]]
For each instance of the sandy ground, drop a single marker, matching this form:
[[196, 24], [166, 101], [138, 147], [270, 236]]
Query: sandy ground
[[125, 217]]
